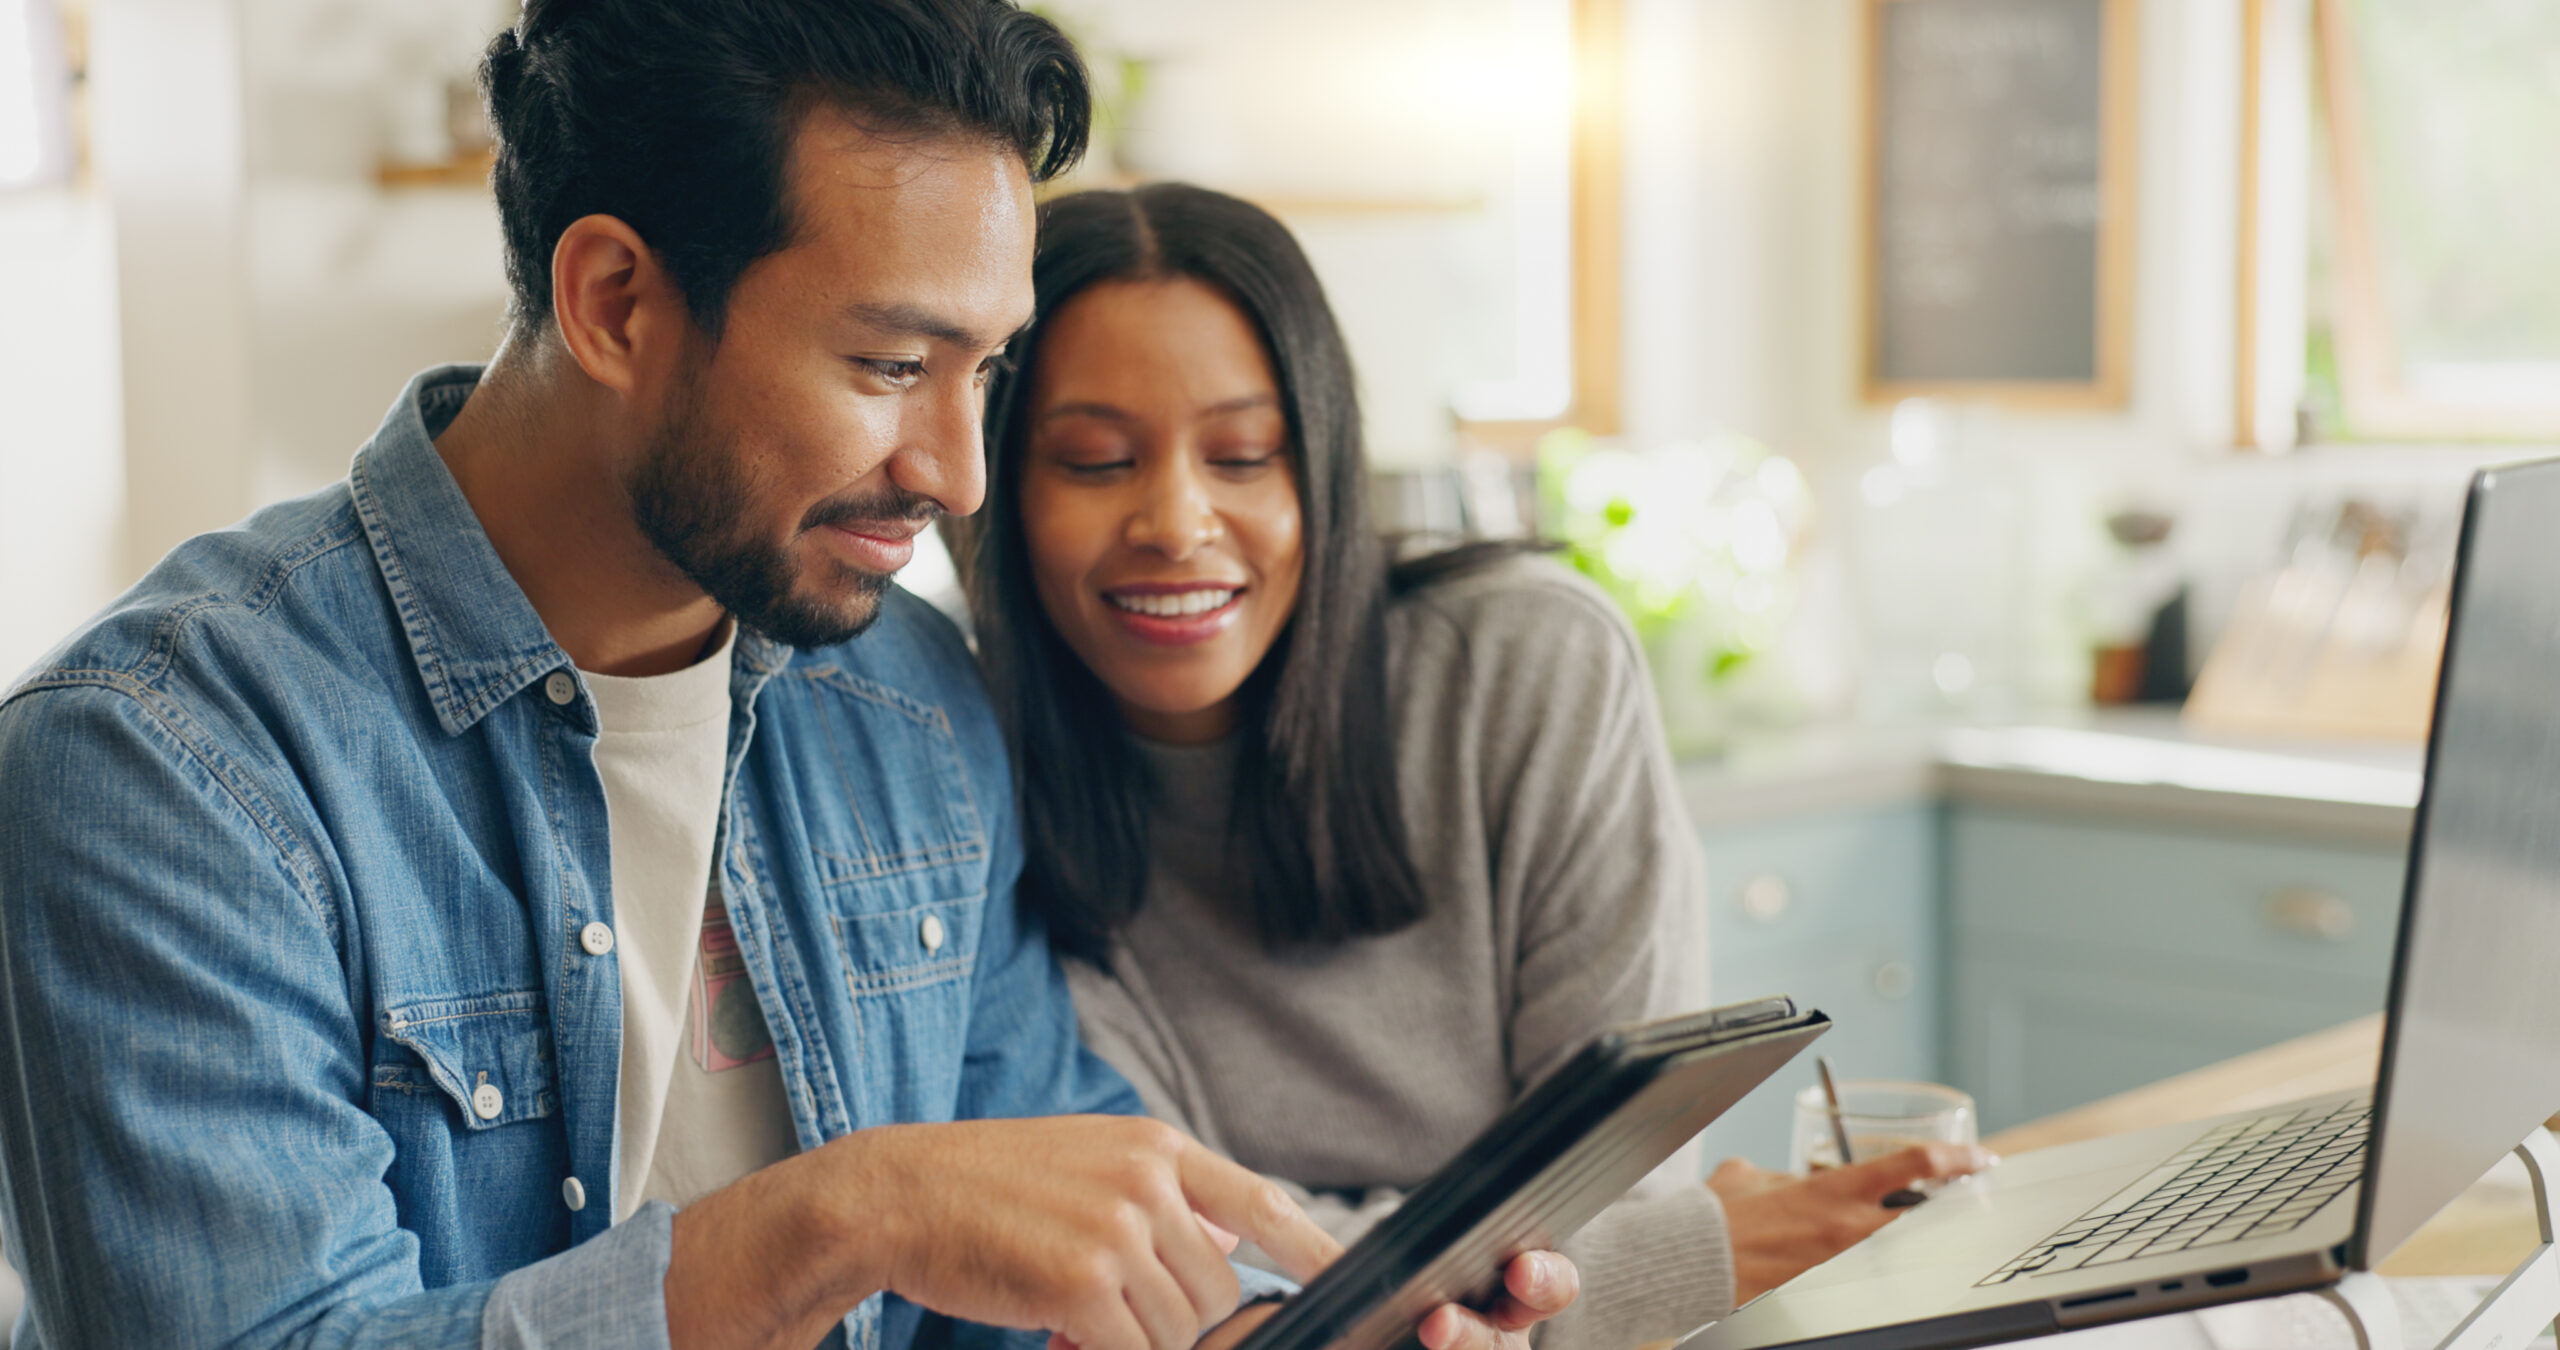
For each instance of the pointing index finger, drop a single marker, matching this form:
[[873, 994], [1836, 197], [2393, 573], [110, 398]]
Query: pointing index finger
[[1256, 1209]]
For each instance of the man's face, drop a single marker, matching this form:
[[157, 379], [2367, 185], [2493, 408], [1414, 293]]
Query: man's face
[[794, 461]]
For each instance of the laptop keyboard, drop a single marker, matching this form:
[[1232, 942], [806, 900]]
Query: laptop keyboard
[[2242, 1179]]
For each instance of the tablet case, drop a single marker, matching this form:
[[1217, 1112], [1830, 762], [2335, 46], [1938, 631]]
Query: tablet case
[[1565, 1152]]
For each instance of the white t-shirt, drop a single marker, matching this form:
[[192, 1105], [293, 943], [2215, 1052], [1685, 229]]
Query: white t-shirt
[[701, 1101]]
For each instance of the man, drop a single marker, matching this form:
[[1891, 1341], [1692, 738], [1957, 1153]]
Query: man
[[499, 899]]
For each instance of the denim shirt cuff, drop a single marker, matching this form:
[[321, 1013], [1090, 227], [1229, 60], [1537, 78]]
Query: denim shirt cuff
[[608, 1290], [1259, 1286]]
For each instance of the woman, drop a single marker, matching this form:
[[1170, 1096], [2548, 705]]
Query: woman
[[1346, 854]]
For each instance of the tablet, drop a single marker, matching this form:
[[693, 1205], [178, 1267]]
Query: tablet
[[1565, 1152]]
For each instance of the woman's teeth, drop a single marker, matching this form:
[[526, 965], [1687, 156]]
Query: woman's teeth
[[1179, 606]]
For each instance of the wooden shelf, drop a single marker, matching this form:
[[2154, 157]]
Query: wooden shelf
[[470, 170]]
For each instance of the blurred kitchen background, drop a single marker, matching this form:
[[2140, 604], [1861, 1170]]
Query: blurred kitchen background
[[2028, 434]]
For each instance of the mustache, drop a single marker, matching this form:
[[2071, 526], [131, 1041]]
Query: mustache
[[891, 506]]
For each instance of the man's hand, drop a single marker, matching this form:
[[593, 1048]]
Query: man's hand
[[1783, 1225], [1535, 1287], [1090, 1227]]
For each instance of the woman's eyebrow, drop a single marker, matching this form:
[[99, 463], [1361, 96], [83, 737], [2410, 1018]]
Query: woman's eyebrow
[[1105, 411], [1111, 413]]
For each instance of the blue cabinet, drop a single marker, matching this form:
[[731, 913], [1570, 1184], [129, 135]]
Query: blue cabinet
[[2041, 949], [2089, 957], [1839, 911]]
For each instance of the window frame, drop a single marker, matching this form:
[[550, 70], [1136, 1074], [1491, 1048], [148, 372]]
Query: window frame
[[2377, 406]]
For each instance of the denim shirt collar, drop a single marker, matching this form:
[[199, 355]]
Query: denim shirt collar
[[475, 638]]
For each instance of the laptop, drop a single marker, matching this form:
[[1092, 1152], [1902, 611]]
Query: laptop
[[2293, 1198]]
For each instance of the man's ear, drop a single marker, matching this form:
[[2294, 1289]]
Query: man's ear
[[617, 311]]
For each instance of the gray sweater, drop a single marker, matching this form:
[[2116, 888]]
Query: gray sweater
[[1567, 893]]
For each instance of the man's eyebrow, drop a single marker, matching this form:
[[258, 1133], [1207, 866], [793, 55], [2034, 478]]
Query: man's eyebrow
[[907, 320]]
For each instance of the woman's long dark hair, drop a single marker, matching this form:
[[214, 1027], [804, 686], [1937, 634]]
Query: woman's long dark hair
[[1316, 815]]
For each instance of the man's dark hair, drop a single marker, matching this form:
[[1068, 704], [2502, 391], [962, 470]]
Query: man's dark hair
[[676, 116], [1317, 816]]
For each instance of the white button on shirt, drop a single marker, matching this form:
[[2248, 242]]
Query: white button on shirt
[[573, 1193], [487, 1101], [560, 688], [596, 938], [931, 932]]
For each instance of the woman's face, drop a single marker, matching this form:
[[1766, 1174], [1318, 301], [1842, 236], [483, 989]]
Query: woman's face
[[1157, 499]]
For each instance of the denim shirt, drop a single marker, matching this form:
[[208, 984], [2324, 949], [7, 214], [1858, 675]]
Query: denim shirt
[[297, 840]]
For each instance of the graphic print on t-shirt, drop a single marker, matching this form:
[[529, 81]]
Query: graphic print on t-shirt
[[728, 1026]]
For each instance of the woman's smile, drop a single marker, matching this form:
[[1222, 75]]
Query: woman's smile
[[1175, 614]]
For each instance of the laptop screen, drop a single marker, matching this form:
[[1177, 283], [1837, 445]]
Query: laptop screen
[[2471, 1059]]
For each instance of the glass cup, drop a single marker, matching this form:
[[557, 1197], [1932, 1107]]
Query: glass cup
[[1882, 1116]]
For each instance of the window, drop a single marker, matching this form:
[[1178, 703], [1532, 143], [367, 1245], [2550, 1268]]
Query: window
[[2433, 305], [35, 78]]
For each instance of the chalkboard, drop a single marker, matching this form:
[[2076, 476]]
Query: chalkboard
[[2000, 199]]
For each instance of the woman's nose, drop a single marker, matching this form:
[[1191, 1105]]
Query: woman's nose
[[1175, 517]]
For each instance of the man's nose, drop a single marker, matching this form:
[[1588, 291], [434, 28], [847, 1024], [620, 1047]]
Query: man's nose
[[946, 456]]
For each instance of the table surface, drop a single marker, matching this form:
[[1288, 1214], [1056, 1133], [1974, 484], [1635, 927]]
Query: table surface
[[2487, 1230]]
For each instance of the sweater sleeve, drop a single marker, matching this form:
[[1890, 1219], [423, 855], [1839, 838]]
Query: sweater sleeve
[[1596, 872], [1599, 871]]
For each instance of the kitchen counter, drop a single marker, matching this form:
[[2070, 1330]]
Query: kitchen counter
[[2144, 765]]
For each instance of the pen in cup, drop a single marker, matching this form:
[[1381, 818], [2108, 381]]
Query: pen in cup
[[1831, 1103], [1900, 1199]]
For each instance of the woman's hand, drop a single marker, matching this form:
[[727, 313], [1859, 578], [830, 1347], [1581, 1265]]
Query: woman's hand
[[1783, 1225], [1535, 1287]]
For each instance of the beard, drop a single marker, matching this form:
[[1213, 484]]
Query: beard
[[691, 499]]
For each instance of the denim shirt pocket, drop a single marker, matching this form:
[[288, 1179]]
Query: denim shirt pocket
[[490, 1055], [892, 951], [908, 969], [903, 819], [900, 854]]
